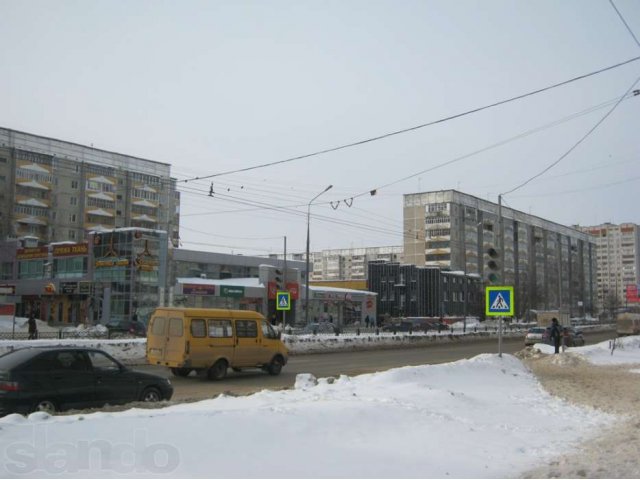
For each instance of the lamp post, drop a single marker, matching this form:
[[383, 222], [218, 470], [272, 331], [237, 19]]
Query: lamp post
[[306, 273]]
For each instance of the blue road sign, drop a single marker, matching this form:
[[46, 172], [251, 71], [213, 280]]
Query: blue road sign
[[283, 301], [499, 301]]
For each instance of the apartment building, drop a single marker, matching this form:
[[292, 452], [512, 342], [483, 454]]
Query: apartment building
[[349, 263], [57, 191], [551, 266], [618, 261]]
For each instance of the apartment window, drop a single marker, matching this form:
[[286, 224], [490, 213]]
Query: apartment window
[[3, 160], [72, 234], [74, 184], [73, 201], [72, 217]]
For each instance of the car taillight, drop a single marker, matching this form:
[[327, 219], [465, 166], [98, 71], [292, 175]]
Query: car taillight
[[9, 386]]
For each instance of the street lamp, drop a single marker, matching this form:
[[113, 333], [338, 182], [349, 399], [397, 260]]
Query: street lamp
[[306, 273]]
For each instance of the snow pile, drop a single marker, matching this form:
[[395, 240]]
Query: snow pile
[[627, 350], [485, 418]]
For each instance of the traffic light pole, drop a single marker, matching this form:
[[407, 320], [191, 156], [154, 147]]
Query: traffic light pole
[[500, 249], [284, 281]]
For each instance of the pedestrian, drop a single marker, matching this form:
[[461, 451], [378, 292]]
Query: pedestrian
[[33, 327], [555, 334], [366, 321]]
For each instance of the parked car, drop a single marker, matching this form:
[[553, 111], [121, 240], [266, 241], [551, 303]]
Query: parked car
[[398, 327], [572, 337], [52, 379], [415, 325], [130, 327], [320, 327], [536, 335]]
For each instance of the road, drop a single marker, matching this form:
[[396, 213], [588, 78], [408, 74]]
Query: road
[[342, 363]]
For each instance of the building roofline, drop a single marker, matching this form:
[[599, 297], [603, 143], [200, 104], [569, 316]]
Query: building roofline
[[84, 146], [482, 200]]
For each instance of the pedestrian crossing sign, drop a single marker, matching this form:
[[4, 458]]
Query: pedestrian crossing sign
[[499, 302], [283, 301]]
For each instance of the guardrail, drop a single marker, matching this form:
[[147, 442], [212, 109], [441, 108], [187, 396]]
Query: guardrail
[[62, 334]]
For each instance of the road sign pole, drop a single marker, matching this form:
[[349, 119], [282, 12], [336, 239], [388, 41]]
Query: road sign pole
[[500, 337]]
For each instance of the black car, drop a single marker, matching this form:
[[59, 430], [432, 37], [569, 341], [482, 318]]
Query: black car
[[320, 327], [415, 325], [130, 327], [52, 379]]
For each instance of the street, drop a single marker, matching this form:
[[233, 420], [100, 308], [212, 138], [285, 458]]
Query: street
[[335, 364]]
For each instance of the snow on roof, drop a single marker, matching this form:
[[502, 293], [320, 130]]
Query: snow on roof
[[317, 288], [237, 282]]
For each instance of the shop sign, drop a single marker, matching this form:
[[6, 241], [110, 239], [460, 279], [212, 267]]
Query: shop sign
[[85, 288], [294, 290], [197, 289], [7, 289], [70, 250], [235, 292], [32, 253], [112, 262], [68, 288], [7, 309]]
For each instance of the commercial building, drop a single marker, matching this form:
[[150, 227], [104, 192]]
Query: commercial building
[[550, 266], [58, 191], [411, 291], [618, 262], [108, 277]]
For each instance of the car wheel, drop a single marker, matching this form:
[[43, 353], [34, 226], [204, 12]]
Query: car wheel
[[150, 394], [218, 370], [275, 367], [181, 372], [45, 406]]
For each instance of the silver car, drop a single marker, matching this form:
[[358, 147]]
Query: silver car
[[535, 335]]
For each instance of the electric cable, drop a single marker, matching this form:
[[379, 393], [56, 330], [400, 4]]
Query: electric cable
[[417, 127]]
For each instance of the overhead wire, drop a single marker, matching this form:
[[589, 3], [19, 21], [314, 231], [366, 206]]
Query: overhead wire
[[625, 23], [576, 144], [417, 127]]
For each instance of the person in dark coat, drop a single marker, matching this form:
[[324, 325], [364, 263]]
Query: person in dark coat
[[33, 327], [555, 334]]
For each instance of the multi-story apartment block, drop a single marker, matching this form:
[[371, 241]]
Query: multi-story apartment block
[[618, 261], [349, 263], [59, 191], [551, 266]]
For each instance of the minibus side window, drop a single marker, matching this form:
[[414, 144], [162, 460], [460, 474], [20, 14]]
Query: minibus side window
[[220, 328], [268, 331], [175, 327], [198, 328], [246, 328], [159, 326]]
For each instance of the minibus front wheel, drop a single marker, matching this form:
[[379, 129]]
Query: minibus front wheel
[[218, 370], [275, 367]]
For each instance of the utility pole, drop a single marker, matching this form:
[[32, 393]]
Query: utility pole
[[500, 249], [284, 281]]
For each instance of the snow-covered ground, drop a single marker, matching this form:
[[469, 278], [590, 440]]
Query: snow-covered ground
[[483, 417]]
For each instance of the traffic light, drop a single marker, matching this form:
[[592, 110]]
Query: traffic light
[[493, 266], [279, 280]]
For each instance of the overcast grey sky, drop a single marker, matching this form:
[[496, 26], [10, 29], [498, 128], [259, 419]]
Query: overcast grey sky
[[214, 86]]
